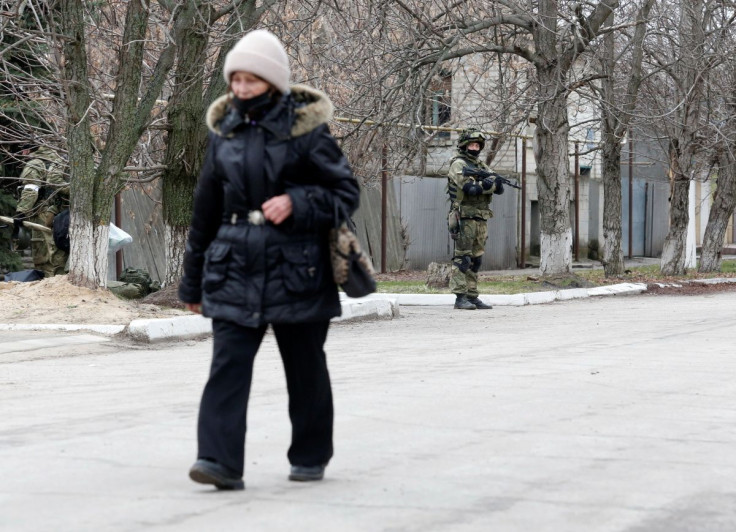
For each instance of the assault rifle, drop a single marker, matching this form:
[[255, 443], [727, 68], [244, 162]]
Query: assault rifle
[[477, 172]]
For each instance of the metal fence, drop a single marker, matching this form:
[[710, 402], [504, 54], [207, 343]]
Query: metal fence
[[423, 207]]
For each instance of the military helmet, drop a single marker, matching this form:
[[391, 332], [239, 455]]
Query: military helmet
[[471, 135]]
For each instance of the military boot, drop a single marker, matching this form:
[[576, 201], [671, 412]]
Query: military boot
[[462, 303], [478, 303]]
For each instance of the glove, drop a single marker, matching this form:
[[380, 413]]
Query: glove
[[17, 224], [499, 186], [487, 183]]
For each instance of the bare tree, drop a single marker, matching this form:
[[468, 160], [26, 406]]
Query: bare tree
[[721, 104], [186, 37], [680, 56], [689, 74], [618, 94], [378, 60], [98, 174], [722, 209], [550, 35]]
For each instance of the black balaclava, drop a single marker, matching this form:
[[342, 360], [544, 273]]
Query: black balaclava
[[253, 107], [473, 153]]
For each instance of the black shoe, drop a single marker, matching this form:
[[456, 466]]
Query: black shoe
[[478, 303], [306, 473], [462, 303], [209, 472]]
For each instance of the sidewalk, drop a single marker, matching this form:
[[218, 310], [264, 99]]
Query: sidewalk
[[378, 306]]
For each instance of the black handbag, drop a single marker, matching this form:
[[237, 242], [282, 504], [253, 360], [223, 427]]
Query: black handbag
[[352, 268]]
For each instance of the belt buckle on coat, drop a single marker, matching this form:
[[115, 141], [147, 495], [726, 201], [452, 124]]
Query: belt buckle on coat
[[256, 218]]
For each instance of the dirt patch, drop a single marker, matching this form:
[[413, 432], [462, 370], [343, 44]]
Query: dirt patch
[[56, 300], [689, 289], [403, 275], [166, 297]]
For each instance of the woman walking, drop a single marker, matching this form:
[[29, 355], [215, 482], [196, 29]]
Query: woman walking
[[257, 255]]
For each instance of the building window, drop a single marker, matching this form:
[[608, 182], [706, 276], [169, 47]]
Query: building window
[[440, 104]]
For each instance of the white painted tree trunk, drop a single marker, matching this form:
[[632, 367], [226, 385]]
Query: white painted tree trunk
[[686, 138], [673, 250], [88, 255], [553, 186], [175, 239], [721, 211], [672, 261], [691, 243], [556, 252]]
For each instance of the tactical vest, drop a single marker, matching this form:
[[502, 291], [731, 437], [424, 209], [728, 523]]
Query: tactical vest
[[474, 207]]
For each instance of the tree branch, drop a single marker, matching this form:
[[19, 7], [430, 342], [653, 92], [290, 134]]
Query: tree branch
[[590, 27], [635, 78], [121, 138], [515, 50]]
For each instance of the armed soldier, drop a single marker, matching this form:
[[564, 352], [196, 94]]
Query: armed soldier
[[470, 185], [45, 194]]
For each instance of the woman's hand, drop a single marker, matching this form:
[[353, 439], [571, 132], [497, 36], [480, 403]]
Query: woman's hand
[[194, 307], [277, 209]]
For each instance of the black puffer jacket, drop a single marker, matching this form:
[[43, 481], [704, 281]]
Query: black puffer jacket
[[257, 274]]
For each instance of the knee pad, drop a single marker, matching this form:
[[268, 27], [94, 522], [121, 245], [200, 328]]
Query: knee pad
[[462, 263], [475, 263]]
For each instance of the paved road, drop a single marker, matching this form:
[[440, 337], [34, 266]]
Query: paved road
[[613, 414]]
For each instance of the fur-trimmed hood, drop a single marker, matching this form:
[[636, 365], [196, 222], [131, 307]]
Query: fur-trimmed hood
[[311, 108]]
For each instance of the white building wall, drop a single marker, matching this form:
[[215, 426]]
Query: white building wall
[[703, 199]]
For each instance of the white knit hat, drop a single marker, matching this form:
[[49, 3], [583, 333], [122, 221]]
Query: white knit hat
[[261, 53]]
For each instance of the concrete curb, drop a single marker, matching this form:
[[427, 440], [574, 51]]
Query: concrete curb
[[185, 327], [195, 326], [715, 280], [530, 298], [368, 308], [109, 330], [181, 327], [375, 306], [618, 289]]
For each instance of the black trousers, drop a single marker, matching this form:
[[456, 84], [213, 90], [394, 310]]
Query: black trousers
[[222, 413]]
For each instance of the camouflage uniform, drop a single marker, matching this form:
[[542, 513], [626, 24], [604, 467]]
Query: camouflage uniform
[[470, 201], [45, 194]]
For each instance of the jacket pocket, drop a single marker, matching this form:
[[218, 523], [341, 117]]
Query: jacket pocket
[[302, 268], [217, 262]]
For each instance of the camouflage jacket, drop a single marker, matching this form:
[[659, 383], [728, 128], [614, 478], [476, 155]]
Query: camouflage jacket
[[469, 206], [43, 178]]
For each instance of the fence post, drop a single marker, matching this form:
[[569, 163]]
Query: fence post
[[631, 193], [522, 262], [119, 223], [384, 204], [577, 202]]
